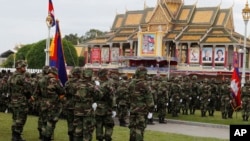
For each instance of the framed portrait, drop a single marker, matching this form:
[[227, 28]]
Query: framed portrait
[[219, 55], [105, 54], [96, 55], [148, 44], [207, 55], [115, 54], [194, 55]]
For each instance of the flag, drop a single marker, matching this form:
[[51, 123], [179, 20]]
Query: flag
[[51, 13], [235, 84], [57, 56]]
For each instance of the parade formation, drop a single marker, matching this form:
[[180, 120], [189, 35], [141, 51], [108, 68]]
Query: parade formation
[[90, 102]]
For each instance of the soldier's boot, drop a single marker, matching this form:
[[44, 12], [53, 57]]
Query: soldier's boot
[[212, 113], [163, 120], [71, 137], [14, 137], [244, 117], [186, 112], [108, 138], [46, 138], [247, 118], [77, 138], [40, 134], [132, 138], [17, 137], [150, 121], [230, 114]]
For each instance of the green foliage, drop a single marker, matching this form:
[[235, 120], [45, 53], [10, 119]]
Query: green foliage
[[70, 53], [9, 61], [73, 38], [81, 61], [30, 132], [23, 51]]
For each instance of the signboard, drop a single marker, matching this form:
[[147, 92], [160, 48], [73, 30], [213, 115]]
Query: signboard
[[105, 54], [148, 44], [115, 54], [95, 55]]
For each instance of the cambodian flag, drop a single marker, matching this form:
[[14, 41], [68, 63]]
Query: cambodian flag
[[51, 13], [235, 84], [57, 56]]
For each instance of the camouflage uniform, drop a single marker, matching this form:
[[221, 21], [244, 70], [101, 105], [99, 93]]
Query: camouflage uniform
[[141, 104], [20, 93], [212, 98], [162, 101], [51, 92], [122, 100], [175, 99], [225, 98], [105, 108], [205, 91], [194, 96], [185, 85], [84, 98], [4, 94], [245, 96], [71, 89]]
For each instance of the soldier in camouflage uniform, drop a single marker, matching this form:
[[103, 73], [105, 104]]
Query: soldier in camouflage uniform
[[106, 107], [175, 99], [45, 71], [20, 93], [71, 88], [245, 96], [162, 100], [85, 106], [205, 90], [186, 92], [225, 98], [4, 94], [194, 96], [51, 93], [141, 104], [212, 98], [122, 100]]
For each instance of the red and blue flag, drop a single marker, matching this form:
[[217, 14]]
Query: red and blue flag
[[235, 84], [57, 55], [51, 13]]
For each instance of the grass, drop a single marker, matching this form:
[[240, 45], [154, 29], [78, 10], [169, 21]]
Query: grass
[[216, 119], [120, 133]]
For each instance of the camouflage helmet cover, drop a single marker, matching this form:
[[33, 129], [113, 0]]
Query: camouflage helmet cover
[[141, 71], [53, 70], [194, 77], [88, 72], [20, 64], [102, 72], [45, 69], [76, 70]]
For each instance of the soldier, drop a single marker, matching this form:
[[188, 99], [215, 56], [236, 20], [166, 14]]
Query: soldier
[[122, 100], [186, 85], [85, 106], [225, 98], [141, 104], [20, 93], [106, 106], [51, 92], [175, 99], [71, 88], [4, 94], [194, 96], [162, 100], [245, 96], [212, 98], [205, 90]]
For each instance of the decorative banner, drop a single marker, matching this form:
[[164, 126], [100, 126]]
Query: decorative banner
[[207, 55], [115, 54], [105, 54], [95, 55], [148, 43], [219, 55], [194, 55]]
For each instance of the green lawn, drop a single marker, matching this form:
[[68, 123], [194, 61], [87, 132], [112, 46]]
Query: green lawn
[[120, 133]]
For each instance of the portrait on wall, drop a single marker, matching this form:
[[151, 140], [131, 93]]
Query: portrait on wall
[[148, 43], [105, 54], [194, 55], [219, 55], [115, 54], [207, 55]]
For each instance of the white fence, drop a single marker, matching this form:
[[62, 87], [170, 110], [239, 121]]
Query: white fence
[[28, 70]]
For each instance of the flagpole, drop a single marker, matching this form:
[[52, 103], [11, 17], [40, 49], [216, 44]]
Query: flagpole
[[49, 22]]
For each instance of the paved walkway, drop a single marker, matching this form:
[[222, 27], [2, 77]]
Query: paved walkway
[[192, 129]]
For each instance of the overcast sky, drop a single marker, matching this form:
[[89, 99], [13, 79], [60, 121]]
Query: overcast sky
[[23, 21]]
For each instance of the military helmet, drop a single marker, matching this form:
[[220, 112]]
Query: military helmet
[[76, 70], [176, 79], [194, 77], [102, 72], [87, 72], [20, 64], [141, 71], [53, 70], [45, 69], [205, 80]]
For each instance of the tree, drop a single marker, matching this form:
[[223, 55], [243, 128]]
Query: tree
[[73, 38], [91, 34], [81, 61]]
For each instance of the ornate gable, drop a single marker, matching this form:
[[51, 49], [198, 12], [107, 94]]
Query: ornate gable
[[158, 17]]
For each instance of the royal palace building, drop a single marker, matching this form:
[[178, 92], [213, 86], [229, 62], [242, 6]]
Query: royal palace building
[[170, 38]]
